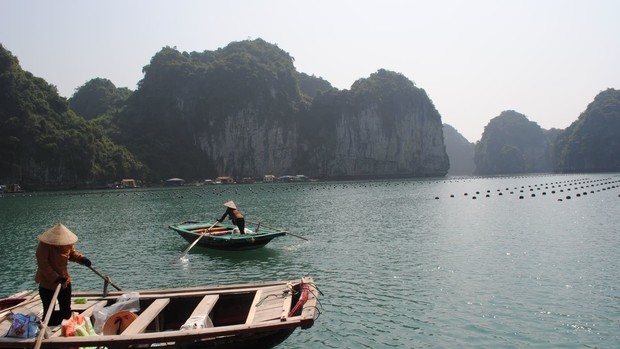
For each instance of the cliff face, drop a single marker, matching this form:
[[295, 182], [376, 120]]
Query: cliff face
[[239, 111], [412, 147], [243, 146], [384, 126], [364, 135], [460, 151], [231, 112], [244, 111]]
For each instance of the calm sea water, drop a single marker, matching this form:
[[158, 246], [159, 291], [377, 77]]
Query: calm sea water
[[505, 262]]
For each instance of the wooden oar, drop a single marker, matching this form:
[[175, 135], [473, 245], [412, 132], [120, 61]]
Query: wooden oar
[[282, 230], [196, 241], [297, 236], [105, 277], [48, 315]]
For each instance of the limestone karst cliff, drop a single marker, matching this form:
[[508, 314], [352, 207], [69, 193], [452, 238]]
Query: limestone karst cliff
[[591, 143], [239, 111], [460, 152], [383, 126], [243, 111], [512, 144]]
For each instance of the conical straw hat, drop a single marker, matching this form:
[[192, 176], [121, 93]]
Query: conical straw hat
[[58, 235], [231, 204]]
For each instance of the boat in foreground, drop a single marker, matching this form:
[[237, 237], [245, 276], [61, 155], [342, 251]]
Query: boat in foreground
[[258, 315], [222, 236]]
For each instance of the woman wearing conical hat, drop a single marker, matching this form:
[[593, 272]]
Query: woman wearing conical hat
[[234, 215], [54, 251]]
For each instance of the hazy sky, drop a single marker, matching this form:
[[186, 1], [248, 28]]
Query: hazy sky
[[546, 59]]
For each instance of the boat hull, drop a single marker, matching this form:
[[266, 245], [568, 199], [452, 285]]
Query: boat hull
[[259, 315], [222, 236]]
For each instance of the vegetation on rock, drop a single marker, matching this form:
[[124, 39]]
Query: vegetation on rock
[[44, 143], [591, 143], [512, 144]]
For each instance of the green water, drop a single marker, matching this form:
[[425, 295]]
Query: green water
[[442, 263]]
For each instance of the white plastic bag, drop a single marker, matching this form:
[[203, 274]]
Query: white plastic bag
[[128, 301], [195, 323]]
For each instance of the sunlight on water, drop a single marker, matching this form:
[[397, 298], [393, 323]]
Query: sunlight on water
[[499, 262]]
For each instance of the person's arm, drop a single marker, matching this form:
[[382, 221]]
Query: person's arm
[[77, 257], [223, 216]]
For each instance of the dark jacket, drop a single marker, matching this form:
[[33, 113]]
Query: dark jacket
[[233, 214], [52, 262]]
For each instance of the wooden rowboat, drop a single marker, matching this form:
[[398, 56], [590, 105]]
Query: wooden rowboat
[[259, 315], [222, 236]]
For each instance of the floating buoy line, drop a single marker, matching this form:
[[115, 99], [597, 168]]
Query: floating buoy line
[[581, 187], [574, 188]]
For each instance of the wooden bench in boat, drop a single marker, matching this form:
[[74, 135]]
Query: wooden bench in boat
[[147, 316], [202, 310], [206, 305]]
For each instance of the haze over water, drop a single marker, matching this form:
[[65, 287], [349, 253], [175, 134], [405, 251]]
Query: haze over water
[[531, 261]]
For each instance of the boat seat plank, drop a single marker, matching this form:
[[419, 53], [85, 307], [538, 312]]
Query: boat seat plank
[[147, 316], [286, 308], [202, 311], [206, 305], [253, 308]]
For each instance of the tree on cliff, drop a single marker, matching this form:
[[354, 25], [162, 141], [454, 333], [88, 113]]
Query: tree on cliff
[[97, 97], [311, 85], [512, 144], [43, 142], [591, 143]]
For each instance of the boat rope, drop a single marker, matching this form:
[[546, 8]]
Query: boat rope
[[318, 310], [284, 294], [315, 295]]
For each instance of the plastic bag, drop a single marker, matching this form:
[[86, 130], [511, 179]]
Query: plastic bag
[[77, 325], [195, 323], [23, 326], [128, 301]]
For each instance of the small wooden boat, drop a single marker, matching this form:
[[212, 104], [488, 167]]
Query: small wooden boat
[[259, 315], [222, 236]]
